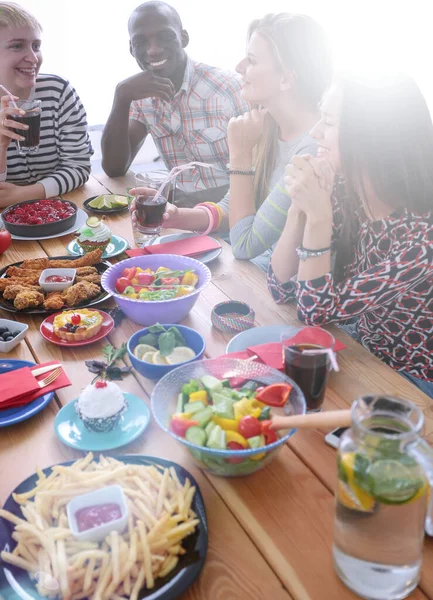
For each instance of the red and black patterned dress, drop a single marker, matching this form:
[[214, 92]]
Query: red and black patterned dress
[[388, 289]]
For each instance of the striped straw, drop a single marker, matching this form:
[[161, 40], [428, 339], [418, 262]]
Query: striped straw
[[176, 171], [9, 94]]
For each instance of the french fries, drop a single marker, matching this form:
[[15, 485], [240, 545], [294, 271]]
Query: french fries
[[160, 517]]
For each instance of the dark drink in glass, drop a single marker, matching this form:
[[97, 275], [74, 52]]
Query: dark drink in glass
[[148, 212], [309, 371], [32, 134], [32, 118]]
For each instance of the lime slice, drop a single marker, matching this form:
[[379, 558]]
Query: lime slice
[[148, 357], [120, 201], [158, 359], [92, 222], [142, 349], [392, 482], [108, 201], [180, 355], [97, 202]]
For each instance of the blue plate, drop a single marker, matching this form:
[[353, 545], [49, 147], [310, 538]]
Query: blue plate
[[116, 246], [258, 335], [170, 587], [204, 257], [21, 413], [71, 431]]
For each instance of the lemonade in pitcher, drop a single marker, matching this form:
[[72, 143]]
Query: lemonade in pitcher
[[384, 469]]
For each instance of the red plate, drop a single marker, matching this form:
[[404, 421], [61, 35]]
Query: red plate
[[48, 333]]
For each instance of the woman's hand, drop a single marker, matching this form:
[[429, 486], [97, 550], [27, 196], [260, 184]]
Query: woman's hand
[[309, 182], [171, 214], [243, 133], [7, 110]]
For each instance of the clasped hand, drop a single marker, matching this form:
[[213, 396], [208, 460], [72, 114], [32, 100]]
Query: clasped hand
[[309, 183], [244, 132]]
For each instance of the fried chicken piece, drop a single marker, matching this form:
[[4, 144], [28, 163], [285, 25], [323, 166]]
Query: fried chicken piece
[[28, 299], [12, 291], [22, 273], [89, 259], [94, 278], [54, 301], [80, 292], [38, 264], [26, 281], [82, 271]]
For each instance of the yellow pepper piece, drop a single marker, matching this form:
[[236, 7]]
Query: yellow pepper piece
[[139, 270], [147, 271], [190, 278], [162, 269], [182, 415], [134, 295], [200, 396], [247, 407], [258, 456], [134, 281], [234, 436], [183, 290], [226, 424]]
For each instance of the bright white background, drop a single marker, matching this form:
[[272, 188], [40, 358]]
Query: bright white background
[[86, 41]]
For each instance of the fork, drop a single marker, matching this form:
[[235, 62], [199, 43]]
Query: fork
[[50, 378]]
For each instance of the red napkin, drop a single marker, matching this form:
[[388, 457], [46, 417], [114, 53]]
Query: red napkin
[[20, 387], [186, 247]]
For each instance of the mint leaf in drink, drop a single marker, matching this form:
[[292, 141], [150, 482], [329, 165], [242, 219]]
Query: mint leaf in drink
[[167, 343], [360, 472], [157, 328], [180, 341], [150, 338]]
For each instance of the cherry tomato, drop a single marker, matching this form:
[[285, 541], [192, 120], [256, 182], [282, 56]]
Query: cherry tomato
[[169, 280], [249, 426], [75, 319], [269, 434], [234, 446], [180, 426], [121, 284], [129, 273], [145, 278], [5, 240]]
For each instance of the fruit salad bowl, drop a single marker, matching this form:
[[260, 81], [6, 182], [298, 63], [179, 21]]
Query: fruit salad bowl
[[156, 311], [224, 462]]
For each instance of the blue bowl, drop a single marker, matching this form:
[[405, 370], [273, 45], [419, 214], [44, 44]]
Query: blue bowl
[[193, 340]]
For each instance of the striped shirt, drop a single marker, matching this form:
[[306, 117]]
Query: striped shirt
[[193, 126], [63, 160]]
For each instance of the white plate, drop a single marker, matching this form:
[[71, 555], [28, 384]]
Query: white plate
[[258, 335], [80, 221], [205, 257]]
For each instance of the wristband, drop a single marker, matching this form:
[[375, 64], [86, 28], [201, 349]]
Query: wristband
[[305, 253], [232, 316], [250, 172]]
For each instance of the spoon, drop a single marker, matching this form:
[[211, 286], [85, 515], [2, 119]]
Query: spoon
[[331, 419]]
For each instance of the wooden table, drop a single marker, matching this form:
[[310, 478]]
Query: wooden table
[[270, 534]]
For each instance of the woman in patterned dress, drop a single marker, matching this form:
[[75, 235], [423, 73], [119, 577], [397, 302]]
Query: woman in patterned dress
[[357, 246]]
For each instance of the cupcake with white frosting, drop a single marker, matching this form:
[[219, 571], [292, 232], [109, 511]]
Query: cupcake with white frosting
[[100, 406], [94, 234]]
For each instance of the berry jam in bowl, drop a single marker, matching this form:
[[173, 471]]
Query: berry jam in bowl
[[34, 218]]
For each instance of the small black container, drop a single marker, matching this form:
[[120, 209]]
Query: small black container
[[43, 230]]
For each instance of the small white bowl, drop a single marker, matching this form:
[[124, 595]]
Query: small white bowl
[[107, 495], [52, 286], [12, 326]]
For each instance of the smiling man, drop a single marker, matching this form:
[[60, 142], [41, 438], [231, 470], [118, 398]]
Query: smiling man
[[183, 104]]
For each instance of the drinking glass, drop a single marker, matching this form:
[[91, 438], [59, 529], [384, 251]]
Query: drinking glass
[[32, 118], [307, 362], [384, 473], [148, 217]]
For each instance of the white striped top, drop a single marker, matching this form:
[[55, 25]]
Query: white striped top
[[63, 160]]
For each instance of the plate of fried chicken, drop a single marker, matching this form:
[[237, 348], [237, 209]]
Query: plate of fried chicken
[[20, 291]]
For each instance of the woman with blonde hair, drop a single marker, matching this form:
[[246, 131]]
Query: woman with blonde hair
[[62, 162], [285, 73]]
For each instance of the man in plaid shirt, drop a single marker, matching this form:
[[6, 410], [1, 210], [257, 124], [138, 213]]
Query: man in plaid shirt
[[184, 105]]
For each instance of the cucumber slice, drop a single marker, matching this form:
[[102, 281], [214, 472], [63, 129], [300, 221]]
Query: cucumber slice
[[193, 407], [223, 406], [226, 383], [180, 403], [217, 439], [211, 384], [256, 442], [208, 429], [196, 435], [204, 416]]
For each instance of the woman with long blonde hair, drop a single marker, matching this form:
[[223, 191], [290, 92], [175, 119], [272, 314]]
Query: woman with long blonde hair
[[284, 75]]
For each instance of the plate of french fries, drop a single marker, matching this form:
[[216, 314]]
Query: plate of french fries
[[159, 554]]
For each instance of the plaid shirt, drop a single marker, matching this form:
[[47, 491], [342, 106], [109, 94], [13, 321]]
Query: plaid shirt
[[193, 126]]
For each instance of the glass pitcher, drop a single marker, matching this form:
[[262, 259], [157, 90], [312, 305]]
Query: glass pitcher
[[385, 471]]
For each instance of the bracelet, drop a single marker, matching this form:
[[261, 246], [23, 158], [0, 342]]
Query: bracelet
[[251, 171], [213, 206], [211, 216], [232, 316], [305, 253]]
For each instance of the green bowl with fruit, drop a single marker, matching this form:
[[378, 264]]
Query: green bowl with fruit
[[221, 409]]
